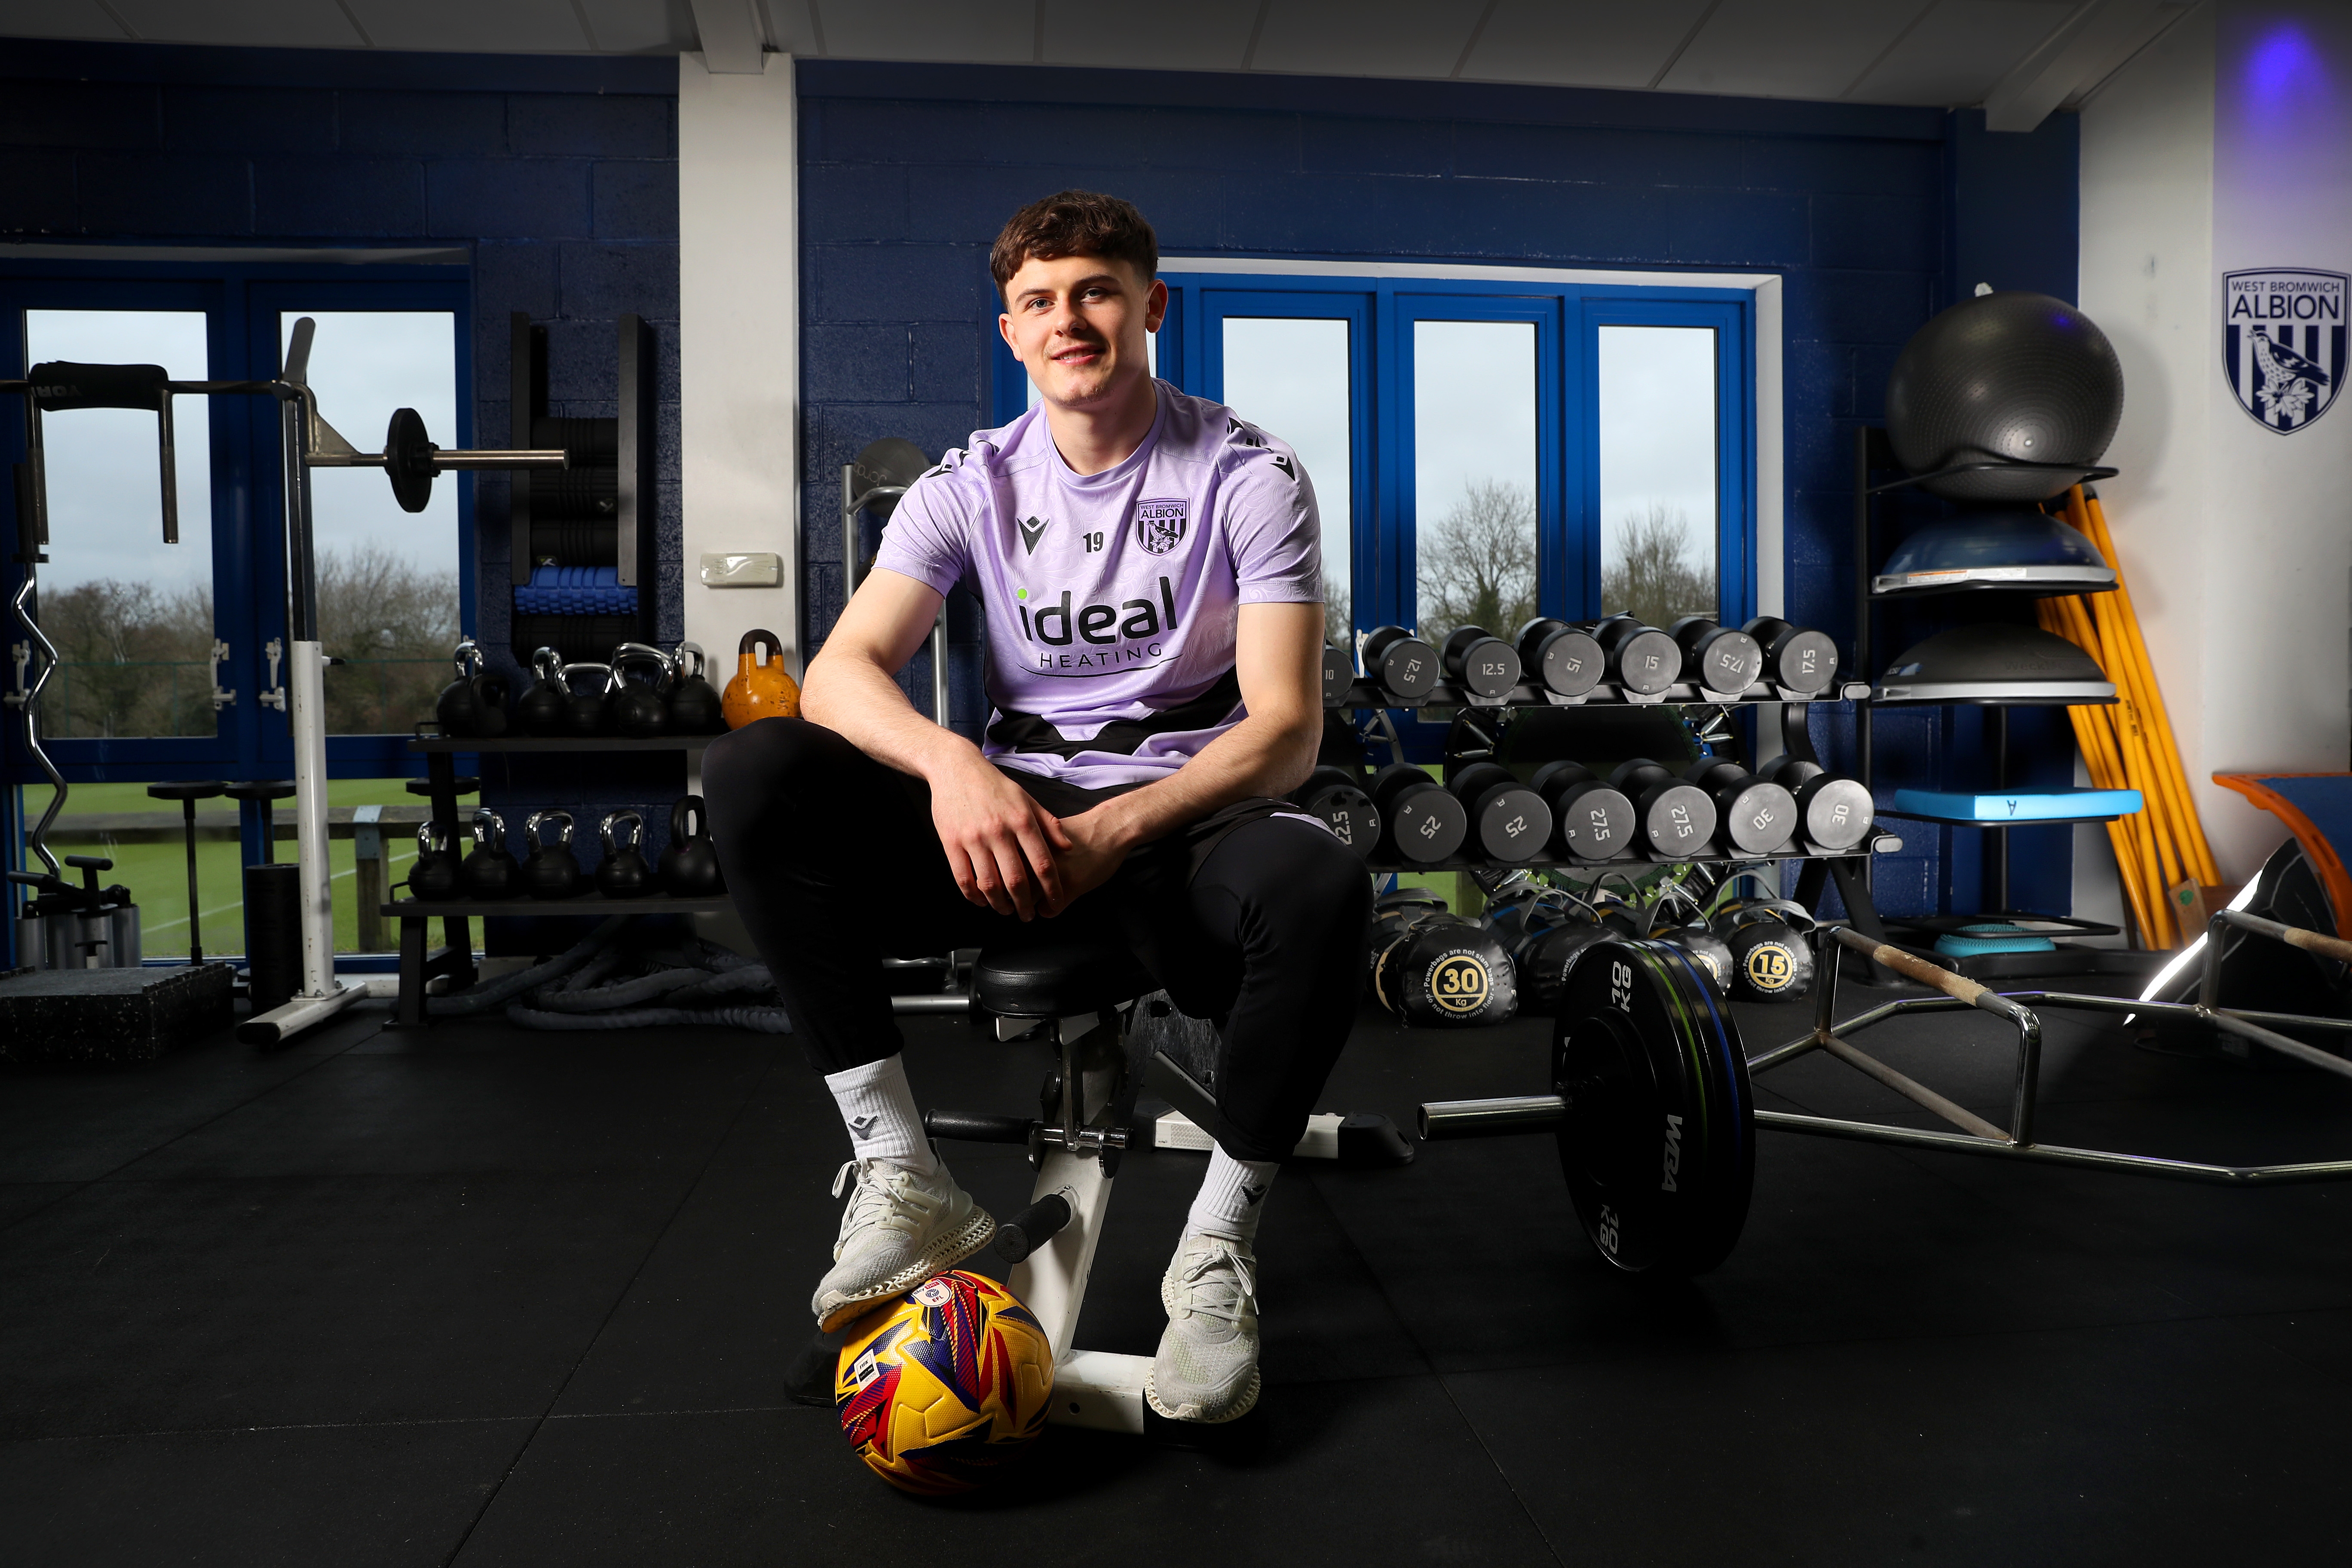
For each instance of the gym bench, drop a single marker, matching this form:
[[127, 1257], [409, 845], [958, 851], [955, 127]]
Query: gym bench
[[1087, 999]]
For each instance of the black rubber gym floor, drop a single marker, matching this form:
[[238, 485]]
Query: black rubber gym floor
[[481, 1296]]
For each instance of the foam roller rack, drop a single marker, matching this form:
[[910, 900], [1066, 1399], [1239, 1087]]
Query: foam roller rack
[[581, 546]]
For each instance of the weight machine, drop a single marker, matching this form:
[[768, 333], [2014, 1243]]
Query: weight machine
[[410, 461]]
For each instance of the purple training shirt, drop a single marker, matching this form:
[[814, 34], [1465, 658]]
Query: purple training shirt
[[1112, 598]]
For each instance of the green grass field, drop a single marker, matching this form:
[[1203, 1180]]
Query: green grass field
[[157, 874]]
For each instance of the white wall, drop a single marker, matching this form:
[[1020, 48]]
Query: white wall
[[2280, 506], [2234, 538], [739, 344]]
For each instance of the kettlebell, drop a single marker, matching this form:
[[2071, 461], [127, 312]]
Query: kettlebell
[[550, 872], [459, 708], [690, 865], [1712, 954], [1445, 971], [1771, 958], [638, 711], [435, 876], [487, 870], [544, 708], [623, 873], [585, 712], [694, 708], [762, 687]]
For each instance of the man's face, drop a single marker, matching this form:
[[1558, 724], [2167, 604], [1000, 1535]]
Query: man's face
[[1078, 324]]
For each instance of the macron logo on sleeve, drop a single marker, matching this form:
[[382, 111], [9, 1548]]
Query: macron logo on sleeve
[[1033, 529]]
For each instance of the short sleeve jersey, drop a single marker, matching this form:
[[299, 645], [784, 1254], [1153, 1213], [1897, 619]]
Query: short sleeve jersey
[[1112, 598]]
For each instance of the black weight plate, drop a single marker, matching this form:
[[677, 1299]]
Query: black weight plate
[[1514, 825], [1680, 821], [1409, 669], [1807, 661], [1837, 814], [1349, 814], [1338, 674], [408, 460], [1570, 662], [1490, 667], [1649, 662], [1428, 825], [1759, 817], [1595, 822], [1731, 662], [1658, 1145]]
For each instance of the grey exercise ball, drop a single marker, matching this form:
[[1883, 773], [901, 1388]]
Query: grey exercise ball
[[2009, 375]]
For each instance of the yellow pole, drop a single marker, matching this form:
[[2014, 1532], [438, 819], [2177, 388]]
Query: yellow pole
[[2199, 852], [2095, 735]]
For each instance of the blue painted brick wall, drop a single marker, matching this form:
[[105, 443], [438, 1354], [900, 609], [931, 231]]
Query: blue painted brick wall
[[557, 177], [908, 170]]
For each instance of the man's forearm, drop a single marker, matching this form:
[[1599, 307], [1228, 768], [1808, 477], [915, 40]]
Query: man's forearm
[[857, 699], [1261, 755]]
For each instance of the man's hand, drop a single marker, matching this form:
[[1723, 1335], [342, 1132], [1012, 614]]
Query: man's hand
[[1007, 852], [1095, 846]]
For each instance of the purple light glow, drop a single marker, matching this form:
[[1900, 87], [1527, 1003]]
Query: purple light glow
[[2286, 81]]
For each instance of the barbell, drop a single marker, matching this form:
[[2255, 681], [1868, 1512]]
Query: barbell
[[1650, 1105]]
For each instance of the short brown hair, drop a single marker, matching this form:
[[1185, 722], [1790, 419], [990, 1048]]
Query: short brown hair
[[1075, 223]]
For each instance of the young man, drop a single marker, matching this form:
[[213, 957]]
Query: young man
[[1150, 568]]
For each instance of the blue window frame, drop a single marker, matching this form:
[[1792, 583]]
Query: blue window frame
[[241, 303], [1567, 316]]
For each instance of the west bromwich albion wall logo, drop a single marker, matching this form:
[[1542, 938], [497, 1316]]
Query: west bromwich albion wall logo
[[1160, 525], [2283, 342]]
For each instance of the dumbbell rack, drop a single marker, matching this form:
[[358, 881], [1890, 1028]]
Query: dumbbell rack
[[1874, 454], [455, 958], [1845, 866]]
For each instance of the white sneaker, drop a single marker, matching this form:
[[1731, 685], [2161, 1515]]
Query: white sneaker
[[899, 1229], [1207, 1366]]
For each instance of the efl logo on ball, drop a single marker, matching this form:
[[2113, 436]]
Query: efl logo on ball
[[2283, 342]]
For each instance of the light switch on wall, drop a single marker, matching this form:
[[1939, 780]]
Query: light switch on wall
[[756, 569]]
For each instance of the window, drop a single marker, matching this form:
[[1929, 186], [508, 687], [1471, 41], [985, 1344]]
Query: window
[[388, 597], [1289, 375], [147, 632], [1474, 474], [1492, 443], [132, 616]]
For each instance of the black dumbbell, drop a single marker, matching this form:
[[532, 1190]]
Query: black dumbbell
[[1590, 821], [1643, 659], [1563, 658], [1717, 657], [1336, 796], [1757, 816], [1480, 661], [1508, 821], [1338, 674], [1803, 661], [1420, 820], [1677, 818], [1404, 666], [1836, 812]]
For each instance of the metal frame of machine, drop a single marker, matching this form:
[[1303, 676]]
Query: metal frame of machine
[[307, 442]]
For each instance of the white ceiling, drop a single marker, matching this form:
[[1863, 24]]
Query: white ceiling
[[1924, 52]]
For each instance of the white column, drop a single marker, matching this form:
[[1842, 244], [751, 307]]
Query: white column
[[739, 348], [2224, 147]]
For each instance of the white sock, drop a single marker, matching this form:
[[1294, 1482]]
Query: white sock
[[878, 1108], [1231, 1196]]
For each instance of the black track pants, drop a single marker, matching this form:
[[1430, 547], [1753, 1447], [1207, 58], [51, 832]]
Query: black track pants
[[833, 863]]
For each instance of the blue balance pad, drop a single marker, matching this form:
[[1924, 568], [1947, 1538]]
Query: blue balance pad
[[2046, 806]]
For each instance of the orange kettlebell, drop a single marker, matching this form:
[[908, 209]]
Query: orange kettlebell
[[762, 687]]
